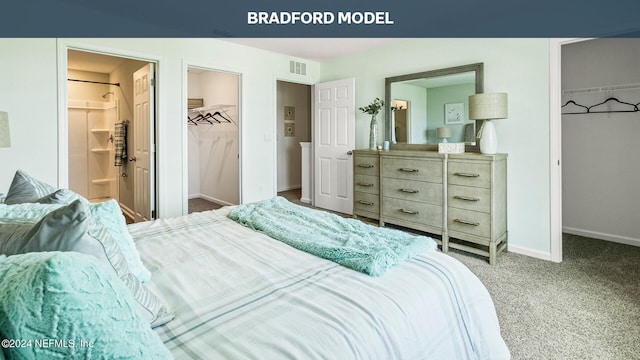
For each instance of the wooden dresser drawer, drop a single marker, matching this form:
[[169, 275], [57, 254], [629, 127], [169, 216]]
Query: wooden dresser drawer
[[420, 213], [366, 183], [413, 169], [469, 198], [366, 165], [366, 202], [475, 173], [413, 190], [469, 222]]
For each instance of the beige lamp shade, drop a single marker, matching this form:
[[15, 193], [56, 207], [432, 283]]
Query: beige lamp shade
[[443, 132], [5, 139], [488, 106]]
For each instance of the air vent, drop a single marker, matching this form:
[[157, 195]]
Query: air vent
[[296, 67]]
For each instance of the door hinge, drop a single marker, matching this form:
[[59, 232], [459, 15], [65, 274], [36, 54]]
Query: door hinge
[[153, 214], [153, 81]]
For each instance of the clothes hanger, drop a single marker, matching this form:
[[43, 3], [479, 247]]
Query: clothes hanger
[[191, 121], [576, 104], [209, 116], [635, 107], [217, 113]]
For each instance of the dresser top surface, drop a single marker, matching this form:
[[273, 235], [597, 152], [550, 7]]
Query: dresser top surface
[[430, 154]]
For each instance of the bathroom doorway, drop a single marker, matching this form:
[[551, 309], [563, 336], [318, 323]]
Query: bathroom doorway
[[101, 131]]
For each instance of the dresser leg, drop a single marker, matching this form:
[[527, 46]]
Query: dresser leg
[[445, 242], [492, 253]]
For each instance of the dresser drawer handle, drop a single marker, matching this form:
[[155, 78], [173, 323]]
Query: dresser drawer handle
[[368, 166], [365, 184], [410, 191], [466, 198], [410, 212], [466, 222], [466, 174], [365, 202], [409, 170]]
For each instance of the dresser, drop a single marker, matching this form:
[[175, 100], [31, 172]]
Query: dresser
[[366, 184], [459, 197], [477, 204], [412, 190]]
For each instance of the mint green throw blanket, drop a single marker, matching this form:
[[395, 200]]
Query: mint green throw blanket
[[348, 242]]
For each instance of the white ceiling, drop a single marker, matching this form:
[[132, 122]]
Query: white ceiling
[[88, 61], [318, 49]]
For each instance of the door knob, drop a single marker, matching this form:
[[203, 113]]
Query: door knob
[[132, 158], [349, 152]]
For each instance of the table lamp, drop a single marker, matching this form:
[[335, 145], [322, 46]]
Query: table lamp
[[488, 107], [443, 133]]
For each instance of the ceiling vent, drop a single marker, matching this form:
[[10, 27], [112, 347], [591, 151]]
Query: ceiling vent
[[296, 67]]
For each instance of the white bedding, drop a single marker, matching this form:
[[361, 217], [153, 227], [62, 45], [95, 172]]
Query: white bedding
[[238, 294]]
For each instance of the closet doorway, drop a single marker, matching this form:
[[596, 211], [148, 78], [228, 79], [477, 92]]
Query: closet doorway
[[293, 129], [600, 99], [107, 131], [213, 137]]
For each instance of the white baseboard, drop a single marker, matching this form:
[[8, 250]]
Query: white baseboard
[[305, 200], [602, 236], [290, 187], [126, 210], [529, 252], [209, 198]]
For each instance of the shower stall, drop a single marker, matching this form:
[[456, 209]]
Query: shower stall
[[92, 173]]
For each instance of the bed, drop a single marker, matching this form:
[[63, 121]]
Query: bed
[[237, 293], [203, 286]]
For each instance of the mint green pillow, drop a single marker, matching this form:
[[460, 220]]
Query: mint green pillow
[[25, 188], [72, 228], [76, 305], [108, 213]]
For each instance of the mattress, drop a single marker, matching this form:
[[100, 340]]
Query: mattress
[[239, 294]]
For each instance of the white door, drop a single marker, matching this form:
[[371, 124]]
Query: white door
[[334, 139], [144, 144]]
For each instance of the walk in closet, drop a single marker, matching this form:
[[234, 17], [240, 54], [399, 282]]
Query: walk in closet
[[600, 128], [213, 139]]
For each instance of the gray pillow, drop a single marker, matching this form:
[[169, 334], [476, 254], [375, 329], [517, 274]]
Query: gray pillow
[[25, 188], [72, 228], [60, 196]]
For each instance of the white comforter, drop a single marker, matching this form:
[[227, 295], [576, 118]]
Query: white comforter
[[238, 294]]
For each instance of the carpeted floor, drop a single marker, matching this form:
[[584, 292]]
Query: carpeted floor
[[587, 307], [198, 204]]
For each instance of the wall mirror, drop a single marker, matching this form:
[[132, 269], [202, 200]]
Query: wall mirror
[[420, 103]]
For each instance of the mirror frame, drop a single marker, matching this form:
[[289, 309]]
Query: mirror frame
[[477, 68]]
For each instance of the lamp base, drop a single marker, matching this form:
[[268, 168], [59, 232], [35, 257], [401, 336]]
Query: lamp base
[[488, 139]]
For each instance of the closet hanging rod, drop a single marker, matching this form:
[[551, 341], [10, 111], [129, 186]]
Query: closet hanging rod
[[94, 82], [211, 107], [602, 88]]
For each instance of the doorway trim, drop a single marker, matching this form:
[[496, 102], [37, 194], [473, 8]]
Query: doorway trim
[[555, 142], [186, 64], [62, 48]]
